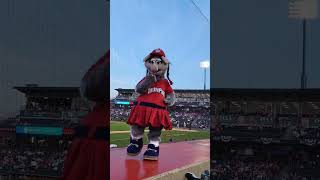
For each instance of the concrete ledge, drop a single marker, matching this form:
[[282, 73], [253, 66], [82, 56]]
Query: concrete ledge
[[179, 173]]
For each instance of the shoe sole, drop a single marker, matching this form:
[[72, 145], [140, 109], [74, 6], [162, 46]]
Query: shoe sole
[[151, 158]]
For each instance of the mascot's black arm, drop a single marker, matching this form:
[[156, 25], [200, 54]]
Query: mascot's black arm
[[143, 85]]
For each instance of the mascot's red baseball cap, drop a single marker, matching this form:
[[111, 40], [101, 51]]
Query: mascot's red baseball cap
[[157, 53]]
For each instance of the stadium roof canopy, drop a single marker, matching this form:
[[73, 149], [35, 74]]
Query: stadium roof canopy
[[266, 94], [49, 91], [176, 90]]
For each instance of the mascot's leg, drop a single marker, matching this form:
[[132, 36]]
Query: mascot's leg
[[136, 141], [152, 152]]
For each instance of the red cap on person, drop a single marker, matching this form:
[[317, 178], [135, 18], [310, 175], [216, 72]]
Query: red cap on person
[[157, 53]]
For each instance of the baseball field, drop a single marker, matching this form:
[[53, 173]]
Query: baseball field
[[120, 134]]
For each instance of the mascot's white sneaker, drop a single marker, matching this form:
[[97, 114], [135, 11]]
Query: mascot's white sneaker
[[152, 153]]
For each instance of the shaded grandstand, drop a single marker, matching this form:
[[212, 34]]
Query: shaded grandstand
[[34, 143], [265, 133], [191, 109]]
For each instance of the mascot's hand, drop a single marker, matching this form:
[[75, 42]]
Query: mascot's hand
[[151, 78], [145, 83], [170, 99]]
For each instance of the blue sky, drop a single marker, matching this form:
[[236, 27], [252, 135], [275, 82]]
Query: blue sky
[[176, 26]]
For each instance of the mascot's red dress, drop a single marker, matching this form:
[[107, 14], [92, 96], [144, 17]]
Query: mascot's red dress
[[155, 113], [88, 157]]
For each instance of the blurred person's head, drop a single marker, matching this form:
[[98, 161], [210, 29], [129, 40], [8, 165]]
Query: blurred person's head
[[94, 84]]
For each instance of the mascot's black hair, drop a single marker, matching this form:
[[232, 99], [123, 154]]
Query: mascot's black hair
[[168, 74]]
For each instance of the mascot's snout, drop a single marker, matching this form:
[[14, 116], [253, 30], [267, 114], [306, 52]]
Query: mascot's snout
[[153, 66]]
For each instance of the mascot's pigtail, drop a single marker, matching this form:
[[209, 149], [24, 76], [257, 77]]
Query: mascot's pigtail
[[168, 73]]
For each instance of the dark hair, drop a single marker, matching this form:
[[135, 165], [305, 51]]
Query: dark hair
[[169, 74], [94, 84]]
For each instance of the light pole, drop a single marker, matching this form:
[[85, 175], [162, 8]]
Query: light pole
[[303, 10], [205, 65], [303, 83]]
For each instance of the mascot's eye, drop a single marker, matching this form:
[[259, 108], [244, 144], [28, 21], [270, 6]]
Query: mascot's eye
[[158, 62]]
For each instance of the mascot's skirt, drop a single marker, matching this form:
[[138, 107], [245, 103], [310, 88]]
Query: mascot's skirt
[[88, 156], [146, 114]]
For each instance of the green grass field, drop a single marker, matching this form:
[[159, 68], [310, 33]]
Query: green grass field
[[119, 126], [122, 139]]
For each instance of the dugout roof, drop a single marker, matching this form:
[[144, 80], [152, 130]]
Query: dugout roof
[[49, 91]]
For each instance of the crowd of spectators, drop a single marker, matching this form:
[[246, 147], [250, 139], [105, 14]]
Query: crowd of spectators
[[253, 162], [181, 117], [119, 113], [193, 96], [197, 118], [191, 109], [33, 158], [308, 133], [32, 161], [244, 169], [300, 168], [286, 128], [237, 169]]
